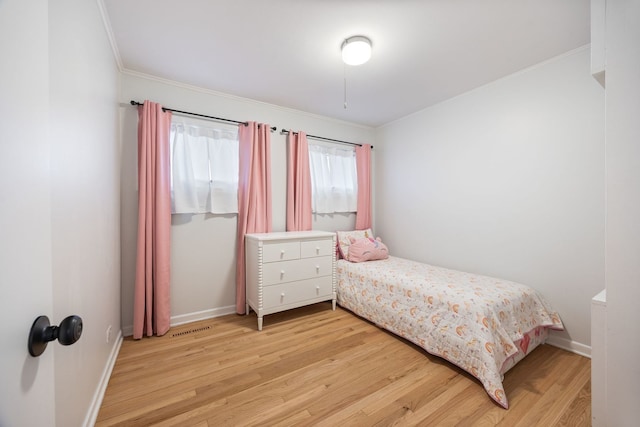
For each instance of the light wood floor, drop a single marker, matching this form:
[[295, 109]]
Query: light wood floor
[[315, 366]]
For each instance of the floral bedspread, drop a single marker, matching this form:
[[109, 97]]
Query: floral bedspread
[[477, 322]]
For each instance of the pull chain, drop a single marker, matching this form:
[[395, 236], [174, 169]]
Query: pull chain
[[345, 86]]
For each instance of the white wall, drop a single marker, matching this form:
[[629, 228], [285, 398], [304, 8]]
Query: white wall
[[623, 212], [59, 250], [506, 180], [203, 246], [85, 199]]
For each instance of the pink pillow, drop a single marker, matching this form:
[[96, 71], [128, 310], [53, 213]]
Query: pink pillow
[[367, 249], [344, 240]]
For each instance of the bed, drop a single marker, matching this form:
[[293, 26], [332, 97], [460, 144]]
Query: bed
[[481, 324]]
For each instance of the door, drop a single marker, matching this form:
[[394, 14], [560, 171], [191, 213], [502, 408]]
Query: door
[[26, 383]]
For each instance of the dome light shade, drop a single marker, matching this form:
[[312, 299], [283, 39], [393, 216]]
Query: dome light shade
[[356, 50]]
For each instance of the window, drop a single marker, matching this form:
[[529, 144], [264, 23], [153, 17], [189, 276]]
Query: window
[[334, 183], [204, 167]]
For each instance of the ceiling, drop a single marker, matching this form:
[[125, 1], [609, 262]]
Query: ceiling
[[287, 52]]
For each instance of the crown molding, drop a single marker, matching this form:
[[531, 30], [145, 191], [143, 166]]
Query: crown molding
[[110, 36], [203, 90]]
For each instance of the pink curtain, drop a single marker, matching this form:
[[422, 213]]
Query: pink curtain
[[298, 183], [363, 166], [151, 310], [254, 195]]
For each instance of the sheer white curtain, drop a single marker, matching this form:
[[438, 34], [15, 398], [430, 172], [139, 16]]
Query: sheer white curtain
[[333, 179], [204, 167]]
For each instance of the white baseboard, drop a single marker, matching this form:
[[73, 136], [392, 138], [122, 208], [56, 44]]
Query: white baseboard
[[572, 346], [202, 315], [191, 317], [96, 402]]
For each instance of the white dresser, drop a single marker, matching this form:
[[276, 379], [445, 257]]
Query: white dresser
[[289, 269]]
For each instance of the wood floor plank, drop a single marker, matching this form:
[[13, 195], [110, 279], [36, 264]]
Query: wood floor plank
[[371, 402], [579, 412], [315, 366]]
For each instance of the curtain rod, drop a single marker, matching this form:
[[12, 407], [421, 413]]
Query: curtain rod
[[286, 132], [273, 128]]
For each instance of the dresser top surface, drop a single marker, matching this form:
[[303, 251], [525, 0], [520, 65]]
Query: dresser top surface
[[294, 235]]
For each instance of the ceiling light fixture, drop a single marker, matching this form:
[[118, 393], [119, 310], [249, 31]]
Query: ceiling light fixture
[[356, 50]]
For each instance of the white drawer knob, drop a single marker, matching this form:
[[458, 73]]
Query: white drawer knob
[[282, 272], [317, 288], [282, 253], [282, 295], [317, 250], [317, 268]]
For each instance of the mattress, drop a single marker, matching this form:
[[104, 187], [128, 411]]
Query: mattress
[[482, 324]]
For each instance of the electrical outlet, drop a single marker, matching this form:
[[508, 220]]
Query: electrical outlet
[[109, 334]]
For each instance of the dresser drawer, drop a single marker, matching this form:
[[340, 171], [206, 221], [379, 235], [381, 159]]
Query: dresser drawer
[[298, 269], [280, 251], [313, 248], [291, 293]]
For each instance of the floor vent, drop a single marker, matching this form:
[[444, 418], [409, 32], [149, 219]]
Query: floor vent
[[191, 331]]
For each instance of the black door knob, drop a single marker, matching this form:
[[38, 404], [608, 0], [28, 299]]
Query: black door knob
[[41, 333]]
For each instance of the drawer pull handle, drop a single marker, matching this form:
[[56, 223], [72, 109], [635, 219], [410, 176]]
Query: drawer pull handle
[[317, 249], [282, 272], [318, 288], [317, 268], [282, 295], [282, 253]]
